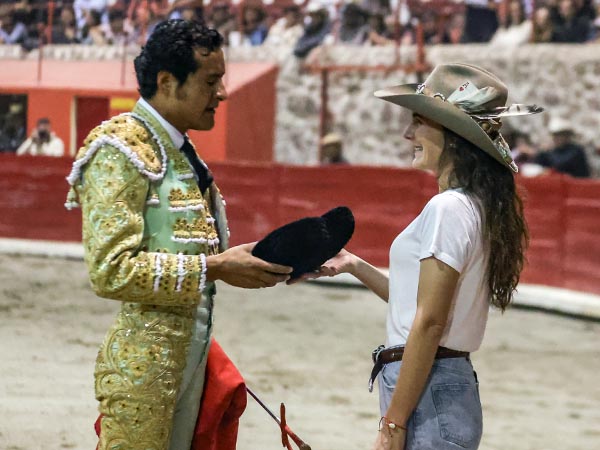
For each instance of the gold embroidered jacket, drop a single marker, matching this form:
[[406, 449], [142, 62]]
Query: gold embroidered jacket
[[146, 228]]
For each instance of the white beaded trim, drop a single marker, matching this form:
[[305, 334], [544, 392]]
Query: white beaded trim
[[158, 271], [156, 137], [119, 145], [181, 272], [71, 205], [186, 208], [202, 284], [185, 176], [153, 201], [195, 240]]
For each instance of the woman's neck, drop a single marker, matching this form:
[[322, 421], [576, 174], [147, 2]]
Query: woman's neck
[[443, 179]]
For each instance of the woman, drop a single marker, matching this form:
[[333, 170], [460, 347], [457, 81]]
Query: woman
[[543, 27], [461, 254], [516, 29]]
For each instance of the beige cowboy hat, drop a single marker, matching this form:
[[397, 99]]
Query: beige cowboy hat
[[330, 139], [468, 100]]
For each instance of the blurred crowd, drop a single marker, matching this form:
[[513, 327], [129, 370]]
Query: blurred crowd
[[304, 24]]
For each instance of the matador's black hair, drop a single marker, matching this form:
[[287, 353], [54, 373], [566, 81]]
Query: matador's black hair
[[171, 48]]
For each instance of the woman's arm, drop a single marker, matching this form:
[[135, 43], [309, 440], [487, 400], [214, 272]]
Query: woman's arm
[[346, 262], [371, 277], [437, 283]]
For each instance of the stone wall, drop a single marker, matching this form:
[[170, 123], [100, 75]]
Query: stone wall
[[565, 79]]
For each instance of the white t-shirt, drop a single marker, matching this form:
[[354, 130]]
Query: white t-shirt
[[449, 229]]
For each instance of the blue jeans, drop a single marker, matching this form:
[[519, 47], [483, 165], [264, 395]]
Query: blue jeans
[[448, 415]]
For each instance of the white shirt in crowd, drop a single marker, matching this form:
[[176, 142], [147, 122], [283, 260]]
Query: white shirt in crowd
[[449, 229], [280, 35], [54, 147], [513, 36]]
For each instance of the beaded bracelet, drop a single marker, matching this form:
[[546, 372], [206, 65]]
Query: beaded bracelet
[[391, 426]]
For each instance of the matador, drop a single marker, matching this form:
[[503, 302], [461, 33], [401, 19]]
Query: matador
[[155, 238]]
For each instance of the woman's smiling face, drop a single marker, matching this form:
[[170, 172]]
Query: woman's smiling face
[[427, 138]]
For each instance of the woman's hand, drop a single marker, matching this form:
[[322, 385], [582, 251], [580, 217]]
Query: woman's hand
[[343, 262], [390, 440]]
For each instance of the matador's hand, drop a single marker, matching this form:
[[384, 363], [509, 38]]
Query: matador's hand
[[238, 267]]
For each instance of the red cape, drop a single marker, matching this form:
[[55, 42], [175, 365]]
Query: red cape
[[223, 402]]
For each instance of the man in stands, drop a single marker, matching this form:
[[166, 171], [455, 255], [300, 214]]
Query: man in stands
[[316, 29], [42, 142], [567, 156]]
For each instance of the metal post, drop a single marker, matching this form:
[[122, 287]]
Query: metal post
[[324, 119], [420, 66], [124, 60], [50, 21]]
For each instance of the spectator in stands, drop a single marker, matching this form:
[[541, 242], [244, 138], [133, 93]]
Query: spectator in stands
[[288, 29], [42, 142], [455, 29], [82, 6], [587, 8], [543, 28], [523, 153], [190, 14], [144, 22], [400, 30], [379, 33], [595, 27], [354, 27], [521, 149], [432, 33], [222, 20], [316, 29], [254, 29], [383, 7], [12, 128], [92, 32], [181, 9], [65, 30], [332, 150], [11, 31], [570, 27], [117, 34], [567, 156], [516, 30], [481, 20]]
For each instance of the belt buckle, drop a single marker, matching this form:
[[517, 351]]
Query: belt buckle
[[375, 353]]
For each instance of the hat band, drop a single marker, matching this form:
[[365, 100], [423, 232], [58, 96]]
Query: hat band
[[471, 100]]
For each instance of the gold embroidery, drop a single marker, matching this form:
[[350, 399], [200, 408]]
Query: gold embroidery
[[140, 364], [133, 134]]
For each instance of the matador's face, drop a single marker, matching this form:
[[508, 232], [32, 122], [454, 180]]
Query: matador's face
[[203, 90]]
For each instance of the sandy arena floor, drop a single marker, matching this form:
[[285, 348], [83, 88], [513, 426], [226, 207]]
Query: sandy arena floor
[[306, 345]]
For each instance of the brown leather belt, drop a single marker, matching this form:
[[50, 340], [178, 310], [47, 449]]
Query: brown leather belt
[[382, 356]]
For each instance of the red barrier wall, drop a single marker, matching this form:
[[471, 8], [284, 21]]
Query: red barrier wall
[[563, 213]]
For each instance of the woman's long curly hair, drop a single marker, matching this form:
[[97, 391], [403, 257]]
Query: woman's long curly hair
[[492, 187]]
